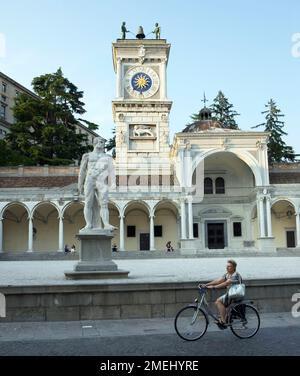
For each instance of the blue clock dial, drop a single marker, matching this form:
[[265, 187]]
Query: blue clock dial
[[141, 82]]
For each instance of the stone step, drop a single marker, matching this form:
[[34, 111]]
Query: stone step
[[32, 256], [26, 256]]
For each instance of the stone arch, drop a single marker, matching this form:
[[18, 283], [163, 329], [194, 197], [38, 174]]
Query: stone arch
[[73, 221], [43, 203], [45, 217], [15, 221], [142, 202], [14, 203], [283, 214], [136, 213], [68, 204], [282, 198], [166, 215], [245, 156]]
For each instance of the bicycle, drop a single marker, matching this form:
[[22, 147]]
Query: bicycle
[[191, 321]]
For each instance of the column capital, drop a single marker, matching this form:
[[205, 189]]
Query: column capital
[[190, 199]]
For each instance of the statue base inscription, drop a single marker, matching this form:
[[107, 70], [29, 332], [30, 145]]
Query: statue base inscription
[[95, 261]]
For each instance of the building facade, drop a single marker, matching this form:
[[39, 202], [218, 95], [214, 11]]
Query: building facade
[[211, 190], [9, 91]]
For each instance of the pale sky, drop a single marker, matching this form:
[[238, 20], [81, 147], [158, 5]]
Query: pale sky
[[247, 49]]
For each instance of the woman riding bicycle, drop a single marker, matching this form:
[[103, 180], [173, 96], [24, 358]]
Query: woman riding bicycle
[[229, 278]]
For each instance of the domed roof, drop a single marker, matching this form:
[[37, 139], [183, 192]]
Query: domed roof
[[205, 113], [203, 125]]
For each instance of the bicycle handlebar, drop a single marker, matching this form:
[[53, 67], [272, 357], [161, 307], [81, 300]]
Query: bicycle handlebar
[[202, 289]]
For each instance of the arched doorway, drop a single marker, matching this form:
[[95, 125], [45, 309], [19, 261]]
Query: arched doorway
[[137, 234], [15, 228], [45, 227], [224, 210], [236, 159], [166, 225], [284, 224]]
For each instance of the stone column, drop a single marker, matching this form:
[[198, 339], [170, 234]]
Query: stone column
[[152, 245], [261, 216], [1, 235], [190, 214], [163, 78], [297, 230], [30, 234], [122, 238], [182, 167], [118, 79], [269, 217], [61, 234], [183, 221]]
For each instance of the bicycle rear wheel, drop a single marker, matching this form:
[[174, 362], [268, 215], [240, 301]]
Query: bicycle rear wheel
[[244, 320], [190, 323]]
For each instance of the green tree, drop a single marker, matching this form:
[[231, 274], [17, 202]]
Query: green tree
[[44, 131], [222, 111], [278, 151], [10, 157], [90, 125], [111, 143]]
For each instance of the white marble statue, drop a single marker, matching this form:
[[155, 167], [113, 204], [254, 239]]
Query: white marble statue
[[139, 131], [96, 169]]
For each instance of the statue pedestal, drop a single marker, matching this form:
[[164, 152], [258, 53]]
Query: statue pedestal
[[95, 260]]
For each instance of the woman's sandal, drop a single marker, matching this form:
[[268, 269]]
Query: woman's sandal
[[221, 324]]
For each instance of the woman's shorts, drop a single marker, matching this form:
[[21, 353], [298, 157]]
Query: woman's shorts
[[224, 299]]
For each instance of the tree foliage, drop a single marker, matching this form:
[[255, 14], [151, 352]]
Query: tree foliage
[[278, 151], [222, 111], [90, 125], [111, 143], [44, 131]]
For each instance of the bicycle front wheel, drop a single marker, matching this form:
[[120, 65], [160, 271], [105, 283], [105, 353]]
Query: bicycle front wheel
[[191, 323], [244, 320]]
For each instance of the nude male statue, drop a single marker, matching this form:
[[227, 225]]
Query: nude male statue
[[95, 169]]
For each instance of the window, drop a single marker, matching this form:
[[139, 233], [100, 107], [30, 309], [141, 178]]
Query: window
[[237, 229], [220, 186], [2, 111], [4, 86], [3, 98], [208, 186], [130, 231], [158, 231], [195, 230]]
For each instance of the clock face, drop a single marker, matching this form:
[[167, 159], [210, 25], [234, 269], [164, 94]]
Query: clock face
[[141, 82]]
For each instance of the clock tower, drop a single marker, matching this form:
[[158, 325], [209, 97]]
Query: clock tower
[[141, 107]]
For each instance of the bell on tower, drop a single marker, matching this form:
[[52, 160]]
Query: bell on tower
[[140, 33]]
